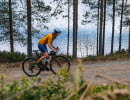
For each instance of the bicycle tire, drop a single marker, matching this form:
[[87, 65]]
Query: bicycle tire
[[58, 57], [23, 67]]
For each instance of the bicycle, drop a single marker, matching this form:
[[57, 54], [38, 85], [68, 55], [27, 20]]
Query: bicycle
[[55, 62]]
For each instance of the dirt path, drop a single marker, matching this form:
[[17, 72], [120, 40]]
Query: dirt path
[[116, 69]]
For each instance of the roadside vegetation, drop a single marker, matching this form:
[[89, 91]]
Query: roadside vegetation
[[18, 57], [122, 55], [63, 86], [11, 56]]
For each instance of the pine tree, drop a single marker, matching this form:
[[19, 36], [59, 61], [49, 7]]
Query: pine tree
[[104, 27], [126, 22], [101, 27], [11, 27], [75, 27], [29, 45], [113, 26], [40, 14], [120, 37], [68, 27], [98, 28]]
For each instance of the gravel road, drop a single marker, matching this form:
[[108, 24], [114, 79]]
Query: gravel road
[[119, 70]]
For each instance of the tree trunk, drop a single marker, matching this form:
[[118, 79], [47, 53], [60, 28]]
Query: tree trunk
[[75, 27], [68, 26], [113, 26], [98, 29], [101, 24], [129, 39], [29, 48], [11, 27], [104, 27], [120, 38]]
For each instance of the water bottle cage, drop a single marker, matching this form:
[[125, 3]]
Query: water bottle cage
[[44, 61]]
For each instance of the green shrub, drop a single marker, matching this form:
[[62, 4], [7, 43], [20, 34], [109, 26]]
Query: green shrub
[[11, 56], [115, 56], [121, 52], [33, 89]]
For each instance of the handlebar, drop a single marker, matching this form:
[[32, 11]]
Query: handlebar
[[57, 48], [52, 52]]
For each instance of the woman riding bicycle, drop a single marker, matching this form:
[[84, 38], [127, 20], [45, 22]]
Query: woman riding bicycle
[[48, 39]]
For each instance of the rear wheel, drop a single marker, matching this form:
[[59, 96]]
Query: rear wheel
[[58, 63], [30, 67]]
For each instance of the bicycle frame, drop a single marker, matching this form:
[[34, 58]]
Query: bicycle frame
[[52, 54], [54, 62]]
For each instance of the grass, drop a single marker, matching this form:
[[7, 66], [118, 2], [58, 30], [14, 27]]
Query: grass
[[115, 56], [122, 55], [11, 56], [17, 57]]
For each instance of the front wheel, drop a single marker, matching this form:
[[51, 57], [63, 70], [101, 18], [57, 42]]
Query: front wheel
[[58, 63], [30, 67]]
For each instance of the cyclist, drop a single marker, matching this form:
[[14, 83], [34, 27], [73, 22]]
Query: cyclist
[[48, 39]]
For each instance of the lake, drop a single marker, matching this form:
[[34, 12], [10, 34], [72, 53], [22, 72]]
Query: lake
[[86, 43]]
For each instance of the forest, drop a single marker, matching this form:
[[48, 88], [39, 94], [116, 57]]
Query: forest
[[21, 21]]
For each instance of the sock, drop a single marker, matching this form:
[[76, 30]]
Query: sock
[[38, 61]]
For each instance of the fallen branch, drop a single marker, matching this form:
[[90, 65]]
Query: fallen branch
[[111, 79], [100, 76]]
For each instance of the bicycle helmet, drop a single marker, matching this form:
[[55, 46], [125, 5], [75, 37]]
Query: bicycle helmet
[[57, 30]]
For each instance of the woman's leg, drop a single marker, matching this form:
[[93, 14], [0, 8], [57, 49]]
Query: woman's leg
[[44, 50], [45, 55]]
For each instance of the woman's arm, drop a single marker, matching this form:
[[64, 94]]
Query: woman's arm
[[52, 47]]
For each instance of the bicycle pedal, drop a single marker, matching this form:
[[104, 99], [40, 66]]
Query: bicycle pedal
[[47, 69], [43, 69]]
